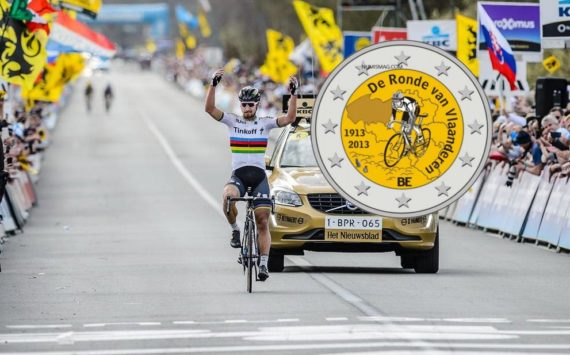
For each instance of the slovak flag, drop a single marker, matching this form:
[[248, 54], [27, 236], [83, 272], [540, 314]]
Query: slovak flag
[[500, 52]]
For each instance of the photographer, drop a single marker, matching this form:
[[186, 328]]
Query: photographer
[[530, 163]]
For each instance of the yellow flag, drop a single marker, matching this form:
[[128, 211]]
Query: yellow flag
[[22, 53], [467, 42], [190, 42], [55, 76], [87, 7], [3, 89], [552, 64], [46, 89], [183, 30], [72, 65], [204, 24], [180, 49], [277, 65], [278, 42], [150, 46], [325, 36]]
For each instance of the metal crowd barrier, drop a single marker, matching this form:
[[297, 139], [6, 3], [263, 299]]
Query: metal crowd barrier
[[534, 209]]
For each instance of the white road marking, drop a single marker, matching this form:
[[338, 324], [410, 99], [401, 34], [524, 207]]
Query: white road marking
[[337, 289], [549, 320], [316, 346], [390, 319], [416, 334], [449, 320], [38, 326], [184, 322], [196, 185], [65, 338], [477, 320], [100, 325], [235, 321], [336, 319]]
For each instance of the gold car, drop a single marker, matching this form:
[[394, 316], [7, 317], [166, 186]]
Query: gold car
[[310, 215]]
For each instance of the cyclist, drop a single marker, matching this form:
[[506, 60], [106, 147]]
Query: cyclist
[[88, 95], [248, 140], [108, 95], [411, 112]]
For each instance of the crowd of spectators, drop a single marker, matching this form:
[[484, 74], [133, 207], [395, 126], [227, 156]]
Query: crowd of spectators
[[193, 73], [531, 143], [24, 135]]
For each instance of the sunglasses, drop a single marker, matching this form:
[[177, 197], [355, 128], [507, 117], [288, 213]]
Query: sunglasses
[[248, 104]]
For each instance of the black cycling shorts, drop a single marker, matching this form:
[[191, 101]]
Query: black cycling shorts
[[254, 178]]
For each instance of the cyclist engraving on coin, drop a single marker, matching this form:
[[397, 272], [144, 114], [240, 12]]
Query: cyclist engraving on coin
[[401, 129]]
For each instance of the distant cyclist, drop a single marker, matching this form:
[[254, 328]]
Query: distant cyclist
[[411, 112], [108, 95], [248, 141], [89, 95]]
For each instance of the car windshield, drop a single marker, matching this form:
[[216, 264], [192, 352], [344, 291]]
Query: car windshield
[[298, 151]]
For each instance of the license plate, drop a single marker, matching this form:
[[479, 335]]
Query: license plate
[[353, 228]]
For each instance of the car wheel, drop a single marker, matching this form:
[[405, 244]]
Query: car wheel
[[276, 261], [428, 262], [407, 261]]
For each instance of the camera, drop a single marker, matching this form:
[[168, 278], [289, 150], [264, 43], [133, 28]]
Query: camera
[[555, 134], [511, 174]]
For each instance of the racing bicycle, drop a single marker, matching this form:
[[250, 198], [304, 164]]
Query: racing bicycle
[[249, 253], [401, 143]]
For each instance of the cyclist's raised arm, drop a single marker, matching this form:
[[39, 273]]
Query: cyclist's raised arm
[[291, 115], [210, 106]]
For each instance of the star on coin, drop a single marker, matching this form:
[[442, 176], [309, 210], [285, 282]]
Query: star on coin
[[466, 93], [466, 159], [338, 92], [362, 69], [335, 160], [403, 201], [329, 126], [475, 127], [442, 69], [362, 189], [402, 58], [442, 189]]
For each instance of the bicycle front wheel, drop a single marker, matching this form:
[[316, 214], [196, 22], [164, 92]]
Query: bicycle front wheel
[[394, 150], [250, 262]]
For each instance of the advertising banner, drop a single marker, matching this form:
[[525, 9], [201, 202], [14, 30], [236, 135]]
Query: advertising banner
[[355, 41], [555, 19], [381, 34], [519, 23], [439, 33]]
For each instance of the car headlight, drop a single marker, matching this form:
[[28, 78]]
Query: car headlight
[[287, 198]]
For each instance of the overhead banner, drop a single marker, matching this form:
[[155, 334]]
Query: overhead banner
[[69, 35], [555, 19], [493, 82], [382, 34], [439, 33], [355, 41], [519, 23]]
